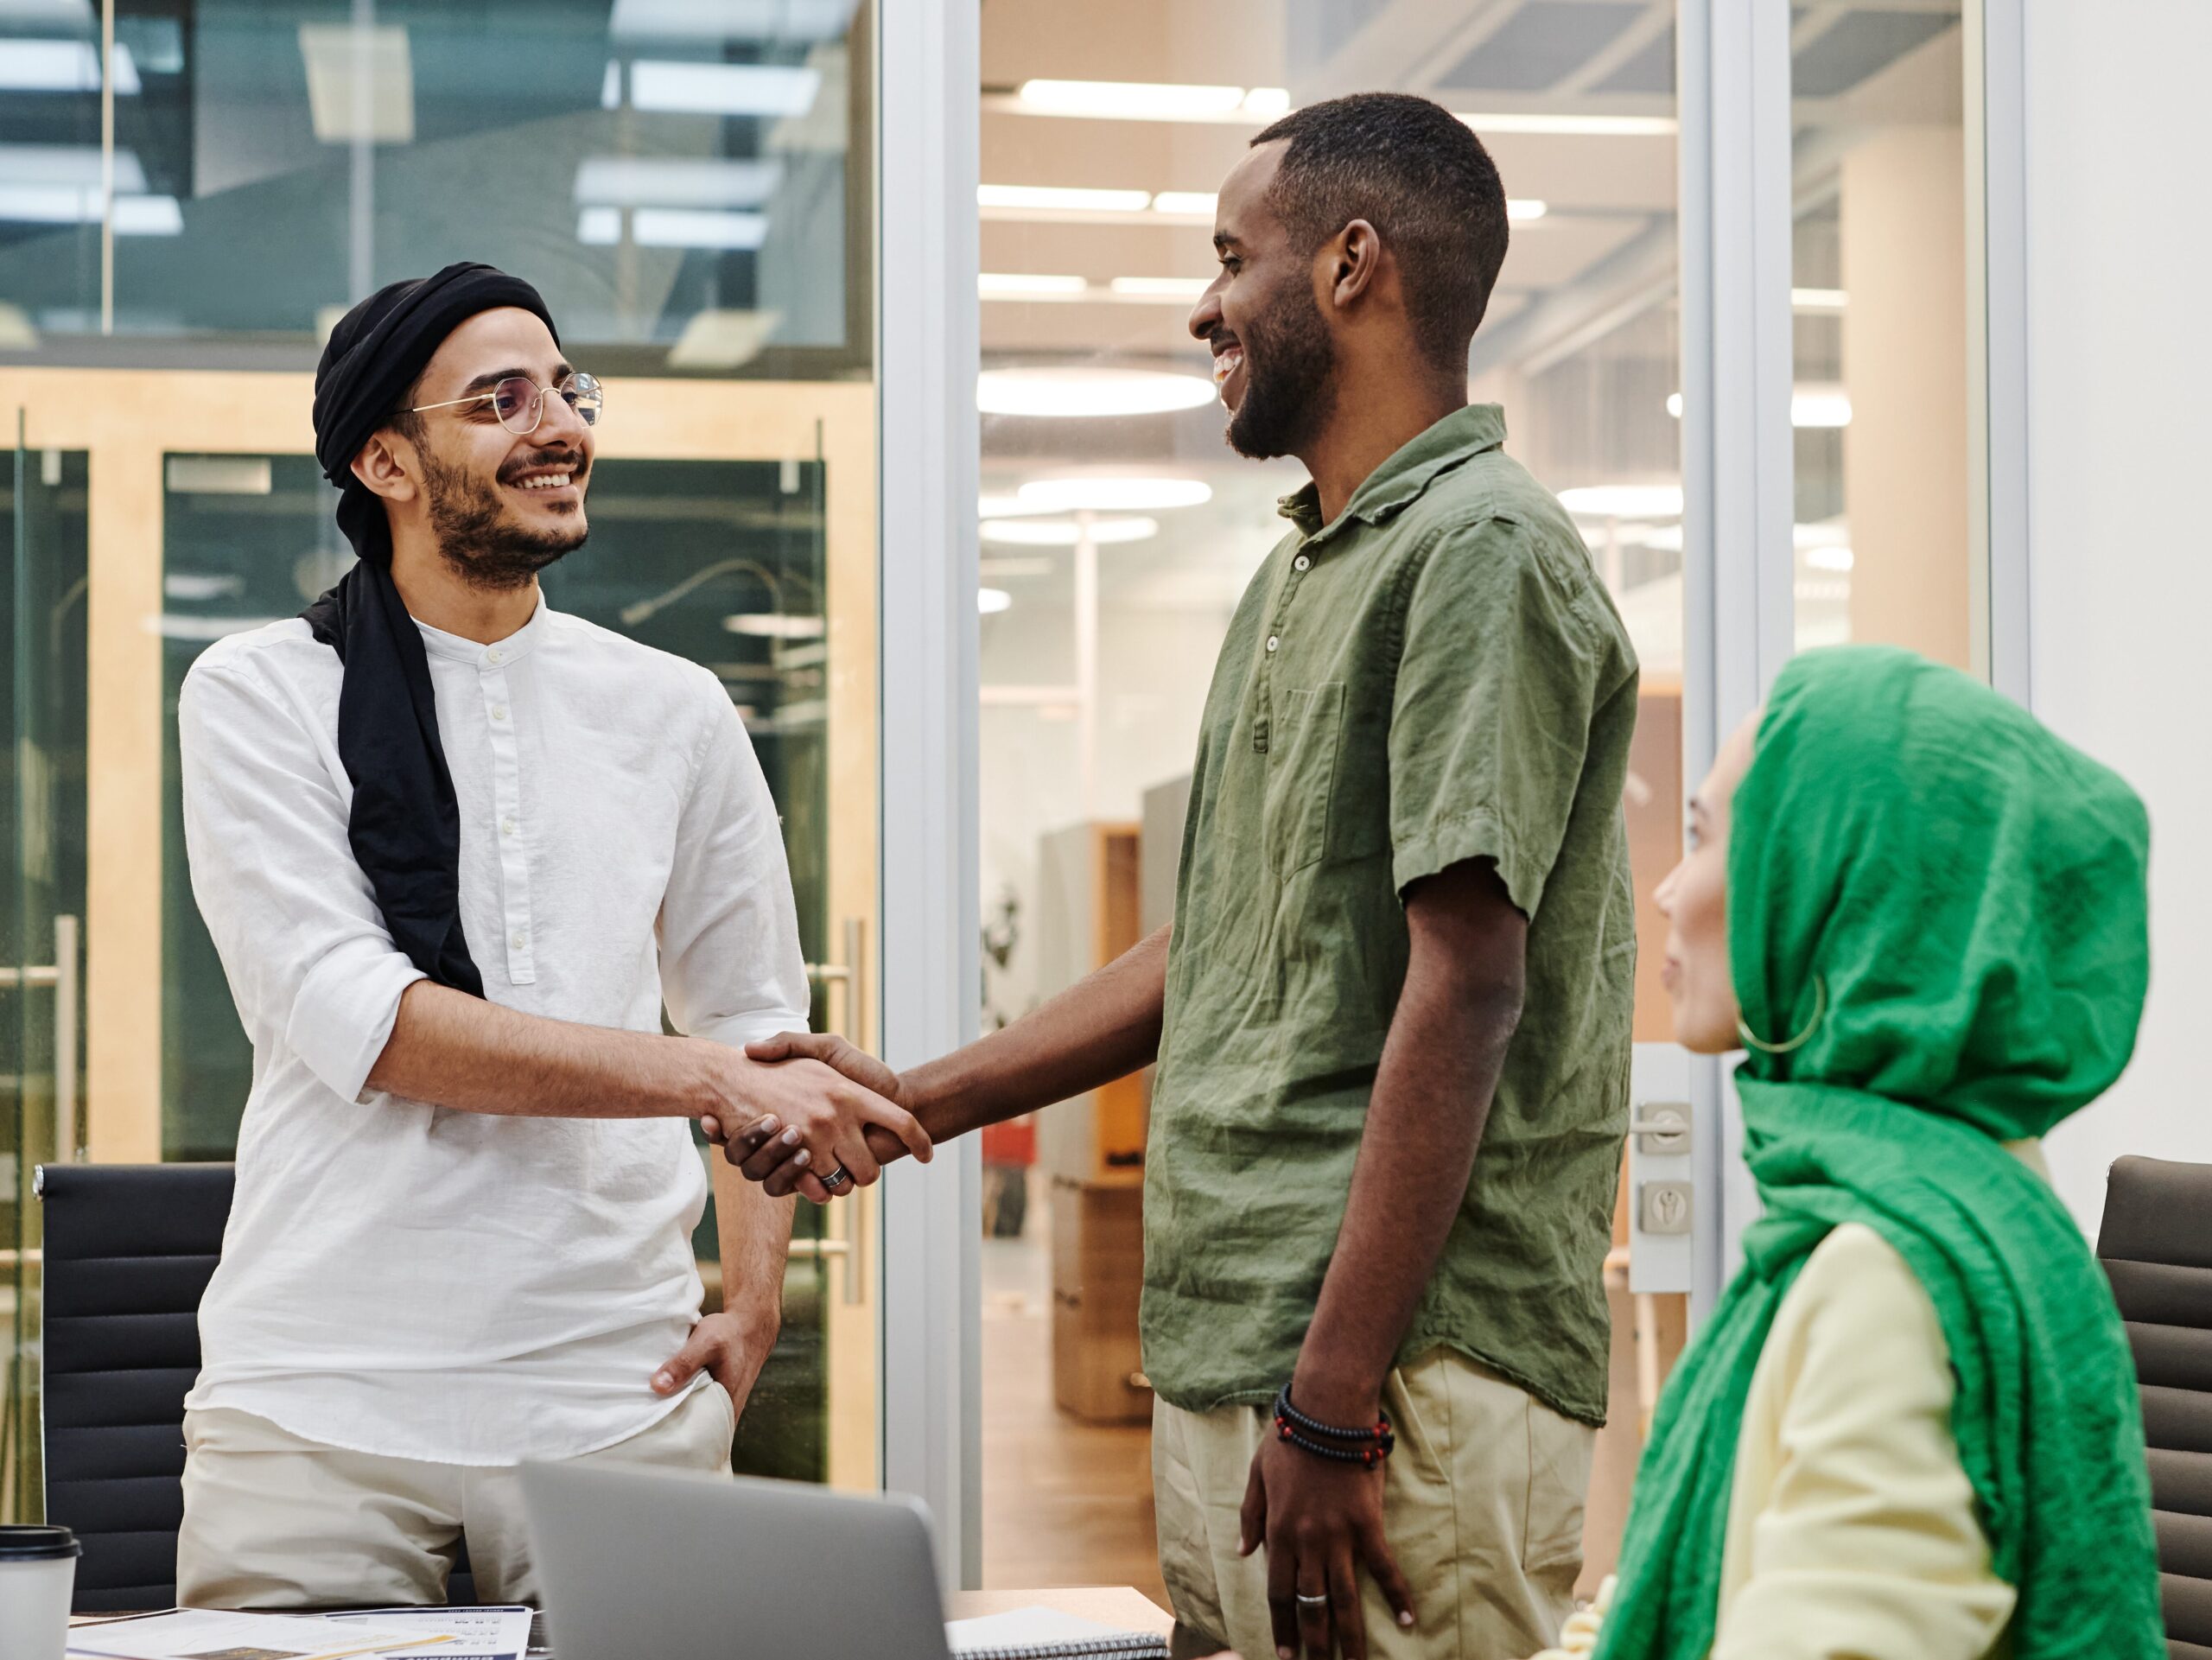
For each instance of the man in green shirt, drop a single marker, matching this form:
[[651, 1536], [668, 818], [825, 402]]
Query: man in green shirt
[[1392, 1022]]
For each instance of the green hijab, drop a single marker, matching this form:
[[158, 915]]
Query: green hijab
[[1951, 902]]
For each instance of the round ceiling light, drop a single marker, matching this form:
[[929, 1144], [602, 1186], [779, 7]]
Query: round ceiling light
[[1066, 533], [990, 601], [1073, 390], [1111, 495]]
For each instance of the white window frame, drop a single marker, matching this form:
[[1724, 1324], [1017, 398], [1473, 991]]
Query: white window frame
[[927, 76]]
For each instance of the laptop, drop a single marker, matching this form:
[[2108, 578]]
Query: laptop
[[640, 1563]]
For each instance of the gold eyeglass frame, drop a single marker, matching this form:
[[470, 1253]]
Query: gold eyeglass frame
[[586, 385]]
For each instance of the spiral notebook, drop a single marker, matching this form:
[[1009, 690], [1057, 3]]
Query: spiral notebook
[[1048, 1634]]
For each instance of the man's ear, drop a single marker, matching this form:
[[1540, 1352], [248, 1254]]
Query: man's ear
[[1354, 263], [388, 465]]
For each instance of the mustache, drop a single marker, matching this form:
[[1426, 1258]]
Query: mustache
[[576, 463]]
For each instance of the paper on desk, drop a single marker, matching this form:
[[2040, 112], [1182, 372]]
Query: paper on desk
[[451, 1633], [214, 1634], [1029, 1629]]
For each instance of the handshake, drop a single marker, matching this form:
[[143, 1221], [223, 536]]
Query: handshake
[[808, 1113]]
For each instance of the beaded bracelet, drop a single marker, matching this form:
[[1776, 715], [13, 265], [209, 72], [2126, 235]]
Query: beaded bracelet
[[1367, 1446]]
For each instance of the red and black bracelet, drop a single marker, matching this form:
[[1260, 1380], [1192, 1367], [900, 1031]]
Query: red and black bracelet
[[1367, 1447]]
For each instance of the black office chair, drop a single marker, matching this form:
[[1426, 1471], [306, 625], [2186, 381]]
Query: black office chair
[[2156, 1245], [129, 1250]]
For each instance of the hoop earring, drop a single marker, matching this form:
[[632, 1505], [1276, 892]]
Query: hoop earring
[[1820, 1012]]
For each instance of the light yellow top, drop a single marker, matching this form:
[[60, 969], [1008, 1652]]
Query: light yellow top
[[1851, 1526], [1852, 1532]]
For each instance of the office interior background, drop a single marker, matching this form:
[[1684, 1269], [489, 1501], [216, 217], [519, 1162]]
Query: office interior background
[[1828, 322]]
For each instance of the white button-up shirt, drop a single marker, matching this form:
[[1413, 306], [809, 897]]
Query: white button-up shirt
[[408, 1280]]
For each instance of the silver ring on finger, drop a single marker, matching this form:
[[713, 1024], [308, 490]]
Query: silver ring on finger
[[1320, 1601], [837, 1179]]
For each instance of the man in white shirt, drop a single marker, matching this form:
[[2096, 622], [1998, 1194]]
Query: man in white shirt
[[457, 851]]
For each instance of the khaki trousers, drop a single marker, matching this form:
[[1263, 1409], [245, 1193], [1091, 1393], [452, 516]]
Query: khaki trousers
[[1482, 1503], [274, 1521]]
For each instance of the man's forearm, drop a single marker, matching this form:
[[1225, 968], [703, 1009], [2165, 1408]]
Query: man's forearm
[[453, 1050], [1105, 1026], [755, 1231], [1432, 1095]]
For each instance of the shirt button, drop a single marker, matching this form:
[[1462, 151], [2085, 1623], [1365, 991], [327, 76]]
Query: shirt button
[[1273, 641], [1301, 562], [506, 827], [518, 940], [498, 711], [496, 655]]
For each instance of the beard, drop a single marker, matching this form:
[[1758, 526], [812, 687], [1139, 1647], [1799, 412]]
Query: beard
[[1288, 392], [478, 539]]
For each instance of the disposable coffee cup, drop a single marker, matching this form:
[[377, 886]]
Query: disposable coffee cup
[[38, 1572]]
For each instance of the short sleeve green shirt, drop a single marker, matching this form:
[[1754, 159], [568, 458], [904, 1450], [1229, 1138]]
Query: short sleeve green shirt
[[1435, 677]]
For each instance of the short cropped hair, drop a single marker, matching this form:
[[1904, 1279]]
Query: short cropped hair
[[1421, 177]]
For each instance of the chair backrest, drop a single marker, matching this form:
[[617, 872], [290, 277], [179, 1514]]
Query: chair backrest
[[2156, 1244], [128, 1250]]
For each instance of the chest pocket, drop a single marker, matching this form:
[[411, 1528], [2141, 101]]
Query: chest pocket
[[1301, 775]]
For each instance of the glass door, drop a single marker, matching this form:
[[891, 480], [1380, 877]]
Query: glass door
[[43, 588]]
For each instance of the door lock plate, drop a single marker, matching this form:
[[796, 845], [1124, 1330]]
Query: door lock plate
[[1663, 1207]]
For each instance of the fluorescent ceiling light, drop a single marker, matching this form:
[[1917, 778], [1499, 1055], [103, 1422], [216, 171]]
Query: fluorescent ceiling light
[[600, 227], [1162, 288], [1066, 533], [1588, 126], [761, 89], [991, 601], [1828, 558], [676, 181], [1197, 203], [76, 164], [610, 86], [1817, 299], [1623, 501], [1088, 391], [687, 227], [1023, 285], [1111, 495], [331, 51], [61, 204], [62, 67], [1131, 100], [216, 476], [763, 624], [1811, 406], [717, 20], [1521, 209], [1062, 197]]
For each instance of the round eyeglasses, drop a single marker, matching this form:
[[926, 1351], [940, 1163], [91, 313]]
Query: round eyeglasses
[[519, 401]]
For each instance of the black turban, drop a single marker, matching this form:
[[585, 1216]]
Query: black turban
[[405, 825]]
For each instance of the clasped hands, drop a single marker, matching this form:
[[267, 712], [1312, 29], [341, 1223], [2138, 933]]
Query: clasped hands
[[820, 1107]]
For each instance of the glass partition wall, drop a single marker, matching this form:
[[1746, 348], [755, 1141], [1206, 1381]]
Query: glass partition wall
[[690, 188]]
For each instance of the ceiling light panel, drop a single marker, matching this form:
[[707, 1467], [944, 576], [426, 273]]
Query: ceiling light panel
[[333, 54], [62, 67], [1022, 285], [676, 181], [756, 89], [1062, 392]]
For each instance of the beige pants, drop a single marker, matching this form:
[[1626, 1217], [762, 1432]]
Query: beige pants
[[272, 1520], [1482, 1503]]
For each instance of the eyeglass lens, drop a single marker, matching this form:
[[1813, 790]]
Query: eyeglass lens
[[516, 401]]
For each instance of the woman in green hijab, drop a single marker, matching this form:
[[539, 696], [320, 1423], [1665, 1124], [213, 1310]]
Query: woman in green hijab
[[1910, 1430]]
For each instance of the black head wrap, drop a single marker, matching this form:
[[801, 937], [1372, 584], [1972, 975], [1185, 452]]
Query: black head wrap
[[405, 825]]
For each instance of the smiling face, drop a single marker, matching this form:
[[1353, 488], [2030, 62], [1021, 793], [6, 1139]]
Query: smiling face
[[502, 506], [1274, 360], [1694, 899]]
